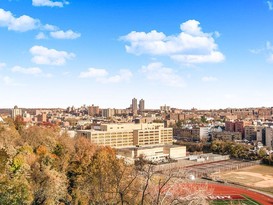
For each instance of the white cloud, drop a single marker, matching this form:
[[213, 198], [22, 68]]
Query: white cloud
[[164, 75], [49, 3], [217, 34], [26, 23], [213, 57], [229, 96], [22, 23], [65, 34], [10, 81], [2, 65], [191, 27], [49, 27], [209, 79], [270, 5], [256, 51], [269, 51], [269, 46], [270, 58], [31, 71], [123, 75], [45, 56], [47, 75], [40, 36], [93, 73], [102, 76], [191, 45]]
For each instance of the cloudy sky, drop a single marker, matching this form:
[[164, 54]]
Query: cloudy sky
[[191, 53]]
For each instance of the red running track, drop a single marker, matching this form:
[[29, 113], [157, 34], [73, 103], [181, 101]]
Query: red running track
[[219, 189]]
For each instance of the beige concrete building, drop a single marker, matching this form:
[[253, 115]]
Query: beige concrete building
[[154, 153], [109, 112], [126, 135], [152, 136]]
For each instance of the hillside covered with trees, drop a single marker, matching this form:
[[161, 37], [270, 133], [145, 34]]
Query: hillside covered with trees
[[39, 165]]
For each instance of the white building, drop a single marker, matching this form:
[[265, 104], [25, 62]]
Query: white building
[[16, 112], [204, 132], [154, 153]]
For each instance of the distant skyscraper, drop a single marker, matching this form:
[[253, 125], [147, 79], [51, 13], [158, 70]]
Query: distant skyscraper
[[134, 106], [141, 105], [15, 112], [165, 108]]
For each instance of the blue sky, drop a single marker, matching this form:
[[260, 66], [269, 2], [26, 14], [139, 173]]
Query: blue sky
[[184, 53]]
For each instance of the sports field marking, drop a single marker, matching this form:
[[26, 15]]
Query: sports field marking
[[231, 199]]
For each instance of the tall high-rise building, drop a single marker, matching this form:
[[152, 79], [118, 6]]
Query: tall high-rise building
[[269, 137], [141, 105], [16, 112], [165, 108], [134, 106]]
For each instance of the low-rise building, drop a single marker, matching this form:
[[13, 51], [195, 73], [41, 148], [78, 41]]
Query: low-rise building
[[226, 136], [154, 153], [195, 133]]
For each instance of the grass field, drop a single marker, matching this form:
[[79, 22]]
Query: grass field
[[259, 177], [235, 202], [232, 199]]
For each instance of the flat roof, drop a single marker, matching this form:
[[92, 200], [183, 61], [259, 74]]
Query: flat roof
[[150, 147]]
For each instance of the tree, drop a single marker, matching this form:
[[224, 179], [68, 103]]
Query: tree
[[78, 170], [203, 119], [15, 191], [262, 153], [19, 123], [50, 186], [179, 124]]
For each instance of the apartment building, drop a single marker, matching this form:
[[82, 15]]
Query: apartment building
[[269, 137], [237, 126], [93, 110], [195, 133], [109, 112], [229, 126], [141, 106], [226, 136], [250, 132], [16, 112], [134, 106], [126, 135]]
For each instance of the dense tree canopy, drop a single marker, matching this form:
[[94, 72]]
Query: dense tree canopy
[[39, 165]]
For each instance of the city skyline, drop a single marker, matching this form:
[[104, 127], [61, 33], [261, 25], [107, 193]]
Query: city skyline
[[202, 54]]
